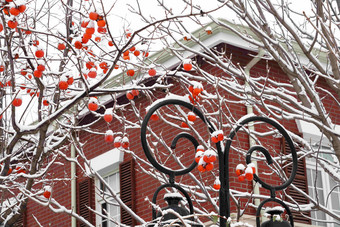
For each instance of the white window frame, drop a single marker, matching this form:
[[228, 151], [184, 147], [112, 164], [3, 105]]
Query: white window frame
[[311, 133], [105, 164], [311, 166], [100, 201]]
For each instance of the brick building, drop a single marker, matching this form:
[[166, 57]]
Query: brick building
[[126, 173]]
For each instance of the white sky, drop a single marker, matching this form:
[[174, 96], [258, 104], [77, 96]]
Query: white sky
[[152, 8]]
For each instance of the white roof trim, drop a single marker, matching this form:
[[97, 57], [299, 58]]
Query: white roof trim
[[106, 162], [312, 133], [212, 41]]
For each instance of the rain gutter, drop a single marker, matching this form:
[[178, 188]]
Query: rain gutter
[[250, 110]]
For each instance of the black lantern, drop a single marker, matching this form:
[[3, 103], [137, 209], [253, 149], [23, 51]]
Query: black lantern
[[173, 200], [275, 223]]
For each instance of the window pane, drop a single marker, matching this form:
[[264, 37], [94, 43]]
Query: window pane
[[318, 215], [321, 197], [318, 180], [114, 182], [338, 224], [316, 190], [332, 182], [311, 191], [112, 210], [114, 214], [309, 177], [335, 201], [327, 156], [104, 210], [106, 179], [101, 186]]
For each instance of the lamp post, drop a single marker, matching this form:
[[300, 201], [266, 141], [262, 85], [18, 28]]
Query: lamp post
[[223, 156]]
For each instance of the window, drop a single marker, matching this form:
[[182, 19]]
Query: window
[[120, 176], [320, 184], [108, 206], [335, 198], [107, 165], [323, 187]]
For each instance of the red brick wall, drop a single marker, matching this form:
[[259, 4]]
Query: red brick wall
[[146, 185], [60, 192]]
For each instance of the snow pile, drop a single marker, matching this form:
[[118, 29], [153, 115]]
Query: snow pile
[[240, 224], [277, 208], [173, 195]]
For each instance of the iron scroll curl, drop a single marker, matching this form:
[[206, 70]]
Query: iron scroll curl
[[223, 156], [192, 139], [265, 152]]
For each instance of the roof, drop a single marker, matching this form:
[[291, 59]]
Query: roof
[[168, 60], [220, 34]]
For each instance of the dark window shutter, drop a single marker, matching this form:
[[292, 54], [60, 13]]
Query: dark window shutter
[[85, 199], [127, 190], [300, 181]]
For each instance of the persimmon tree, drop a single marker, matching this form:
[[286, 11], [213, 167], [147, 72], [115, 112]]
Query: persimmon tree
[[54, 56], [58, 58]]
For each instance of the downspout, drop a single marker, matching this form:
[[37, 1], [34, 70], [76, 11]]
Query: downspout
[[68, 20], [73, 186], [250, 110]]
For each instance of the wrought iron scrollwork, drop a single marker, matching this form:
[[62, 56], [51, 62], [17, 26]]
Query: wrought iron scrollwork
[[223, 156]]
